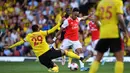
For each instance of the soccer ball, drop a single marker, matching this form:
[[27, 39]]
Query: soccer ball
[[74, 66]]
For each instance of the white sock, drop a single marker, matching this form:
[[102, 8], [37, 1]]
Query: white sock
[[80, 62]]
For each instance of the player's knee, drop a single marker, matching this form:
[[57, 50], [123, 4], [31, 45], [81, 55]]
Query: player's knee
[[119, 56], [99, 56]]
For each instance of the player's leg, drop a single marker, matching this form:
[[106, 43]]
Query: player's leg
[[63, 60], [69, 59], [87, 53], [119, 66], [93, 49], [78, 49], [72, 55], [96, 62], [101, 47], [46, 61], [81, 54], [57, 45], [60, 53], [77, 46], [93, 53], [105, 55], [118, 52], [64, 46]]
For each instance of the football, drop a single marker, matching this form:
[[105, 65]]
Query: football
[[74, 66]]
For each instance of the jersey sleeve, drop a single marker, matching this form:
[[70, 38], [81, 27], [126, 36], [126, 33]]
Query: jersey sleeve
[[65, 24], [119, 7]]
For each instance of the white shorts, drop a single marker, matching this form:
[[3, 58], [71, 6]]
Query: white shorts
[[94, 43], [67, 43], [92, 46]]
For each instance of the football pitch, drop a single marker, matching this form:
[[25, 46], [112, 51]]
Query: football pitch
[[36, 67]]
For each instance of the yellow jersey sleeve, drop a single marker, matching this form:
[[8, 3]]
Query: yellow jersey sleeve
[[17, 44], [119, 7]]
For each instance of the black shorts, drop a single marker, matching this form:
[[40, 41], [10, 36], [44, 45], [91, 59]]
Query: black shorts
[[104, 44], [46, 58]]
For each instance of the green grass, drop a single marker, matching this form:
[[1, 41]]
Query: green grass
[[36, 67]]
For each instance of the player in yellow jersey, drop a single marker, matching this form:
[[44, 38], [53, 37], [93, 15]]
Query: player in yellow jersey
[[110, 13], [41, 48]]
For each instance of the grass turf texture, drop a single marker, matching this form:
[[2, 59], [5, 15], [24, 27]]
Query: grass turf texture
[[36, 67]]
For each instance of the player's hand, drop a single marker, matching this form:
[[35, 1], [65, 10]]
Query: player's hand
[[91, 14], [7, 47]]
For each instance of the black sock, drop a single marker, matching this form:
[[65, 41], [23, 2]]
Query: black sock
[[81, 58]]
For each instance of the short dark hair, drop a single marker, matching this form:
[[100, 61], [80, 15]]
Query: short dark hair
[[75, 10], [35, 28]]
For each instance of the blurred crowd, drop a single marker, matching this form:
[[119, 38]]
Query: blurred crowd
[[17, 17]]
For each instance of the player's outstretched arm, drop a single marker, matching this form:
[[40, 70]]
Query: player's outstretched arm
[[86, 17], [64, 25], [122, 23], [96, 20], [123, 26], [54, 28], [17, 44], [58, 33]]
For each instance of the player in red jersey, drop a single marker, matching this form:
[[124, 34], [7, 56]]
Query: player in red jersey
[[93, 29], [71, 36]]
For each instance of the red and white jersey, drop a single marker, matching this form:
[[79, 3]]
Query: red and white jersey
[[71, 28], [94, 30]]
